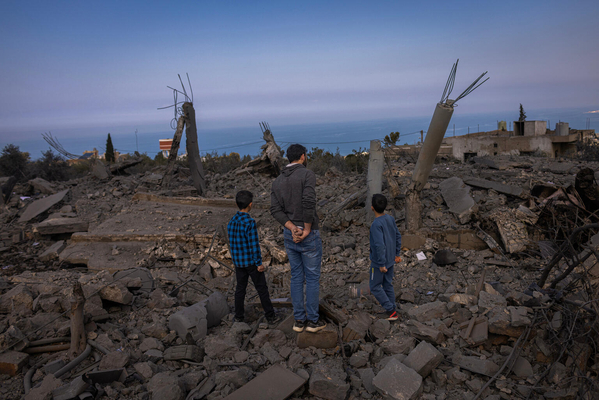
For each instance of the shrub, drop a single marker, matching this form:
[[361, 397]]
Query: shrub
[[214, 163], [320, 160], [14, 162], [51, 167], [357, 161]]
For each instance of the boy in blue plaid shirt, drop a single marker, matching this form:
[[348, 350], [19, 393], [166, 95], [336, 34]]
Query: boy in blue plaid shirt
[[247, 257]]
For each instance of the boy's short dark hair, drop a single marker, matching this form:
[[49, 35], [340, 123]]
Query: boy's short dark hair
[[243, 199], [379, 203], [294, 152]]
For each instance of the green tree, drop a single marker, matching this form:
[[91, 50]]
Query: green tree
[[109, 150], [522, 114], [13, 162], [391, 139], [51, 167]]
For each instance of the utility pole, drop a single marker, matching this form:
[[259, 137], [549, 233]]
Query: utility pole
[[421, 136]]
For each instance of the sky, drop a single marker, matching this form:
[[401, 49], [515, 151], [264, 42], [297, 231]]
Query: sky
[[72, 66]]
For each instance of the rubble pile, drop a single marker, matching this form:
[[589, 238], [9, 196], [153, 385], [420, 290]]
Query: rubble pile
[[497, 294]]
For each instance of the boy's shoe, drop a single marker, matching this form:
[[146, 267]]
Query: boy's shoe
[[273, 320], [315, 326], [391, 315], [299, 326]]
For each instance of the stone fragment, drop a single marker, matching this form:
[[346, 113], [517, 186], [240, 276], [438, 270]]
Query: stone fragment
[[522, 368], [398, 344], [488, 301], [236, 378], [423, 332], [327, 338], [41, 185], [270, 353], [367, 375], [114, 360], [380, 328], [184, 352], [476, 365], [424, 358], [428, 311], [61, 225], [52, 252], [146, 369], [359, 359], [328, 380], [159, 300], [18, 300], [165, 386], [276, 383], [558, 373], [192, 323], [71, 390], [220, 346], [150, 343], [357, 327], [274, 336], [11, 362], [463, 299], [116, 292], [457, 197], [519, 316], [153, 355], [44, 391], [496, 186], [397, 381], [500, 323], [100, 171]]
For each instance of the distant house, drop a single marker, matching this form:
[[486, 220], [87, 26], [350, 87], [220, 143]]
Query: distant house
[[87, 155]]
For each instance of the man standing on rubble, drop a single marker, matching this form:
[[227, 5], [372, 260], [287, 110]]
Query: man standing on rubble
[[293, 205]]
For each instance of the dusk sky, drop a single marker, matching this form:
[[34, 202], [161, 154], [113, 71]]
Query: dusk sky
[[84, 64]]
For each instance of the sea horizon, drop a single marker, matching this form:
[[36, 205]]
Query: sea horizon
[[344, 136]]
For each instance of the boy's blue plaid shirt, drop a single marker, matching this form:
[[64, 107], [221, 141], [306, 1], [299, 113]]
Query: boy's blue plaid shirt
[[243, 240]]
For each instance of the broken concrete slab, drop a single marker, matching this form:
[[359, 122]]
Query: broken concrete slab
[[367, 376], [71, 390], [276, 383], [497, 186], [41, 185], [100, 170], [398, 344], [357, 327], [326, 338], [11, 362], [424, 358], [427, 333], [39, 206], [61, 225], [116, 292], [328, 380], [428, 311], [52, 252], [184, 352], [397, 381], [457, 196], [476, 365]]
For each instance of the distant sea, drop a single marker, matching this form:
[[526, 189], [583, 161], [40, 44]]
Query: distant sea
[[333, 136]]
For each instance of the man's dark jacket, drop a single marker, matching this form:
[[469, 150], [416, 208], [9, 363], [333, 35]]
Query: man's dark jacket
[[293, 196]]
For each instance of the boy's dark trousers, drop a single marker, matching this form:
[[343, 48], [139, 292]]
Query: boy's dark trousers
[[259, 279]]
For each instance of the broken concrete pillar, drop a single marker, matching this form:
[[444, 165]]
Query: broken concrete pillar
[[193, 151], [374, 180], [424, 165], [192, 323]]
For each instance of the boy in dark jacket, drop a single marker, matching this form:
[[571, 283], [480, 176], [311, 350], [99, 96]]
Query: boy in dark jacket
[[247, 257], [385, 246]]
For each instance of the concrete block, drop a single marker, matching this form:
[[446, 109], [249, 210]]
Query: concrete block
[[398, 344], [116, 292], [367, 375], [428, 311], [11, 362], [276, 383], [424, 358], [328, 380], [325, 339], [52, 252], [424, 332], [397, 381], [457, 197], [476, 365], [192, 323], [72, 390], [357, 327], [184, 352]]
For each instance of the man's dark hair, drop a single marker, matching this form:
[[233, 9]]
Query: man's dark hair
[[243, 199], [379, 202], [294, 152]]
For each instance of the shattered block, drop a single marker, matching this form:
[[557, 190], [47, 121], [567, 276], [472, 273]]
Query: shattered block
[[457, 196], [397, 381], [398, 344], [326, 338], [427, 333], [357, 327], [428, 311], [11, 362], [424, 358], [476, 365], [18, 300], [117, 293], [512, 231], [500, 323], [328, 380]]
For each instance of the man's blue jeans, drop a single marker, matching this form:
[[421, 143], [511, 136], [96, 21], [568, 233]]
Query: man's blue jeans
[[381, 287], [305, 259]]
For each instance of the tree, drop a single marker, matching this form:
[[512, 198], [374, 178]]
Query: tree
[[13, 162], [391, 139], [51, 167], [109, 150], [522, 114]]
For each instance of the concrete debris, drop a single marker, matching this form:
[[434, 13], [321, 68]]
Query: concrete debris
[[154, 268]]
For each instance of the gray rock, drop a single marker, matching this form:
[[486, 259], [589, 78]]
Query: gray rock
[[359, 359], [236, 378], [328, 380], [397, 381], [476, 365], [273, 336], [146, 369], [522, 368], [220, 347], [114, 360], [367, 375], [153, 355], [489, 301], [380, 328], [165, 386], [116, 292], [398, 344], [151, 343], [52, 252], [428, 311], [424, 358]]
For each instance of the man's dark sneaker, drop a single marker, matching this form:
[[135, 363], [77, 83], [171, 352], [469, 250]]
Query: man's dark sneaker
[[274, 320], [299, 326], [236, 319], [315, 326], [392, 316]]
